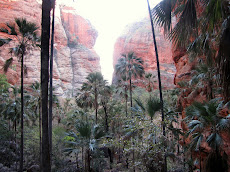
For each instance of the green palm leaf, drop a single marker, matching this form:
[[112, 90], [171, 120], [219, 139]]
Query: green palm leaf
[[214, 140], [7, 64], [4, 41], [153, 106]]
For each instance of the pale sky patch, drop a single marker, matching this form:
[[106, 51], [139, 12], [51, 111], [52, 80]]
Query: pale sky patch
[[109, 17]]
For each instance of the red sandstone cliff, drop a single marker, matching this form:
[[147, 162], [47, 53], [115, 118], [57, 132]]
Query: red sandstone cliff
[[138, 38], [74, 56]]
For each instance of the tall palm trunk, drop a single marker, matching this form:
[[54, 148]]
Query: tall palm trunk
[[106, 117], [159, 81], [45, 38], [95, 101], [126, 102], [51, 84], [40, 133], [130, 91], [88, 168], [22, 112]]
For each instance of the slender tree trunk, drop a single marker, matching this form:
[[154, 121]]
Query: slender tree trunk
[[45, 38], [96, 103], [51, 84], [88, 160], [40, 132], [133, 144], [126, 102], [106, 118], [159, 81], [82, 157], [77, 161], [22, 112], [200, 159], [15, 137], [130, 90], [9, 125]]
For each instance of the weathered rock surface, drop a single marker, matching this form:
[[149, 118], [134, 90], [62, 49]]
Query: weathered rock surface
[[74, 56], [138, 38]]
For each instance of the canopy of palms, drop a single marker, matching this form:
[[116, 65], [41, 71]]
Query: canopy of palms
[[129, 66]]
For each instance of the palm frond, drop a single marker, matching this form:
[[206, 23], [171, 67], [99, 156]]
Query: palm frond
[[7, 64], [153, 105], [84, 129], [98, 133], [195, 125], [4, 41], [199, 142], [214, 140], [162, 14], [26, 28], [186, 26], [140, 104], [224, 124]]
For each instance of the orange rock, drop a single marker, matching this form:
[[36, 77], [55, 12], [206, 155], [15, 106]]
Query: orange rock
[[138, 38], [73, 34]]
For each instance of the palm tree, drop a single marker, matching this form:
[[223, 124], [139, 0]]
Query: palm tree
[[25, 38], [196, 19], [130, 66], [149, 77], [45, 40], [204, 76], [152, 106], [122, 90], [85, 100], [105, 94], [203, 117], [93, 84], [88, 136], [51, 81]]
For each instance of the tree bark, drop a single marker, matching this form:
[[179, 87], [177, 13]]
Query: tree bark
[[130, 84], [40, 132], [106, 117], [45, 38], [51, 84], [22, 112], [95, 101], [126, 102]]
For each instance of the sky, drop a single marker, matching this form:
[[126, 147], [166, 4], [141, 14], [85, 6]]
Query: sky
[[109, 17]]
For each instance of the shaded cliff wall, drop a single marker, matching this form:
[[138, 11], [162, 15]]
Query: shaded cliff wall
[[74, 56]]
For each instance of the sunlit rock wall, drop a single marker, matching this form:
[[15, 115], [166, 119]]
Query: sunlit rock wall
[[74, 56], [138, 38]]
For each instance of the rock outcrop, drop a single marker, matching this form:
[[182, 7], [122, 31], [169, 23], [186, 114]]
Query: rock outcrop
[[74, 56], [138, 38]]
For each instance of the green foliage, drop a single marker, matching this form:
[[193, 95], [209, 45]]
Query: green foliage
[[4, 85], [206, 124], [8, 149]]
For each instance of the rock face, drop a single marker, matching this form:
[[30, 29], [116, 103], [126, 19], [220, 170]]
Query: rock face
[[184, 68], [184, 72], [138, 38], [74, 56]]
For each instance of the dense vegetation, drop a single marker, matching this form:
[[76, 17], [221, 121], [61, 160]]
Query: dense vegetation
[[119, 127]]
